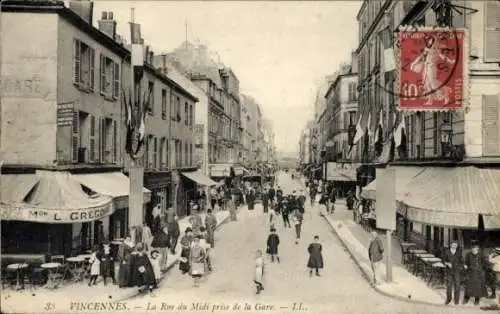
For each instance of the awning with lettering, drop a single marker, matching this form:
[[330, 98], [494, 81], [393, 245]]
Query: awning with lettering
[[345, 172], [114, 184], [455, 197], [57, 197], [198, 177]]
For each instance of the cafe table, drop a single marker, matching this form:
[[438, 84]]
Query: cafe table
[[405, 246], [51, 284], [76, 267], [18, 267]]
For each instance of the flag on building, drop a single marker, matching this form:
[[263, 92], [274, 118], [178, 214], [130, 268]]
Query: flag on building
[[130, 122], [360, 131], [369, 125], [142, 126], [135, 34], [398, 134]]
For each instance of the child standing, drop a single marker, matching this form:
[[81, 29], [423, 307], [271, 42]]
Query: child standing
[[273, 241], [155, 262], [197, 258], [315, 256], [95, 265], [259, 272]]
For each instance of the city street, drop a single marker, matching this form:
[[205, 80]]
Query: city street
[[340, 289]]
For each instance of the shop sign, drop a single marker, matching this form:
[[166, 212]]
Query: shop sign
[[43, 215], [431, 69]]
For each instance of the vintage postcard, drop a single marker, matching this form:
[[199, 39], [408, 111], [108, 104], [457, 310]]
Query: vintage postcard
[[250, 156]]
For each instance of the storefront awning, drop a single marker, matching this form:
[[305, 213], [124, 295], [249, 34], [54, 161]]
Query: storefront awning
[[114, 184], [57, 198], [16, 186], [198, 177], [455, 197], [239, 171], [345, 172], [404, 174]]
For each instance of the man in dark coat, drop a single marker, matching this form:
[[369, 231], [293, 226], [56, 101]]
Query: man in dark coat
[[173, 230], [285, 212], [453, 274], [375, 254], [105, 256], [265, 200], [315, 256], [272, 194], [273, 241], [476, 267]]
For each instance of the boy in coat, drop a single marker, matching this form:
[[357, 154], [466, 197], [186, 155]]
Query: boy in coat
[[273, 241]]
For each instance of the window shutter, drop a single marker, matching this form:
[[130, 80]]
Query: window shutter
[[115, 140], [91, 69], [102, 140], [76, 61], [75, 137], [155, 153], [491, 138], [102, 71], [116, 80], [92, 139], [492, 31]]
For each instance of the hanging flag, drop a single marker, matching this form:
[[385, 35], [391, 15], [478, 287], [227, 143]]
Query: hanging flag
[[129, 122], [378, 129], [398, 134], [369, 125], [360, 131], [142, 127]]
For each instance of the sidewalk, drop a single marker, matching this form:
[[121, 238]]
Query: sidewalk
[[405, 286], [13, 301]]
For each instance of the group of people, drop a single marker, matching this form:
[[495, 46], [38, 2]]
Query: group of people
[[275, 202]]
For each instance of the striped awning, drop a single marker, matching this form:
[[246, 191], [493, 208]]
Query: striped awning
[[454, 197], [404, 174]]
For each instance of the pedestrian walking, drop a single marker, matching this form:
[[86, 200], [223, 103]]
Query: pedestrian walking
[[206, 246], [156, 221], [272, 218], [453, 256], [476, 267], [494, 260], [213, 198], [173, 233], [161, 244], [297, 222], [258, 278], [301, 201], [125, 257], [375, 254], [273, 241], [106, 263], [331, 201], [272, 194], [147, 237], [232, 208], [186, 241], [142, 270], [155, 262], [285, 213], [197, 258], [195, 221], [95, 265], [315, 256], [250, 199], [312, 193], [211, 225], [265, 200]]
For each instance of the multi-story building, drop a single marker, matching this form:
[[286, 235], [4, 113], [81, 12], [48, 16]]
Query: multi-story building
[[61, 115], [252, 128], [341, 99], [433, 207]]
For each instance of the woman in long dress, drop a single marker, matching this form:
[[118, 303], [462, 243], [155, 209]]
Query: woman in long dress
[[186, 241], [197, 258], [315, 256], [125, 257], [476, 266], [258, 278], [142, 271]]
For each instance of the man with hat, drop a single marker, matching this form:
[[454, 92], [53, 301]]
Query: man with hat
[[476, 267], [494, 259], [453, 256]]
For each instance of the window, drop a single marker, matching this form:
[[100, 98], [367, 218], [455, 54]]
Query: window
[[352, 91], [172, 111], [115, 142], [164, 104], [109, 77], [191, 117], [435, 132], [191, 154], [186, 113], [75, 137], [178, 109], [155, 153], [151, 97], [186, 154], [83, 65], [92, 139], [492, 32]]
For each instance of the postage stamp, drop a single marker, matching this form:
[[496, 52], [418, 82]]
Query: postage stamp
[[432, 69]]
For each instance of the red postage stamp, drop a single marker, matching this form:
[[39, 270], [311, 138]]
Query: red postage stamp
[[432, 69]]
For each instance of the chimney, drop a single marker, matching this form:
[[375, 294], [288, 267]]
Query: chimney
[[107, 25], [84, 9]]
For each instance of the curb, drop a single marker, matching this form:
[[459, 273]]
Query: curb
[[367, 277], [167, 269]]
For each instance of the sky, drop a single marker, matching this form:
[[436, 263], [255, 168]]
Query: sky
[[280, 51]]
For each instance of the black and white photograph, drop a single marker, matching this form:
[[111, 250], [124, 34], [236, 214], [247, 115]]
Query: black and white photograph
[[280, 157]]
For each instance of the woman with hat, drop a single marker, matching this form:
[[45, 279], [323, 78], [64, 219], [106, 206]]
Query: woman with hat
[[476, 267]]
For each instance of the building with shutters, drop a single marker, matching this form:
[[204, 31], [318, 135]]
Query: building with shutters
[[62, 189], [445, 162]]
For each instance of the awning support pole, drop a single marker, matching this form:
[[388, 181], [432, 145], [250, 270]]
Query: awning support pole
[[388, 262]]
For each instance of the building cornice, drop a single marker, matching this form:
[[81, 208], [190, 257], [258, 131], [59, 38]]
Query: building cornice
[[373, 25], [58, 7]]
